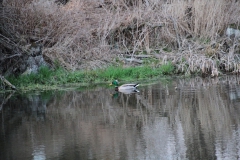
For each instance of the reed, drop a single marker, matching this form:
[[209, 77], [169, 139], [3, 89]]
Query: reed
[[88, 34]]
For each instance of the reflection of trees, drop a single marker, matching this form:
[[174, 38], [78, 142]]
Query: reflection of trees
[[185, 121], [103, 125], [17, 115], [207, 114], [199, 120], [204, 109]]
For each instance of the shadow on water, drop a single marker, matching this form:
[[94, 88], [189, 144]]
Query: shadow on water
[[183, 119]]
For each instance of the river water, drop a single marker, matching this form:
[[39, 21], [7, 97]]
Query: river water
[[172, 119]]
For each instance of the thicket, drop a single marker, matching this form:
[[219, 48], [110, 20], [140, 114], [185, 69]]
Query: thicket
[[83, 34]]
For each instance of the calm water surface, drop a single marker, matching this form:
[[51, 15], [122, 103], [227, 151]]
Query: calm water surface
[[198, 120]]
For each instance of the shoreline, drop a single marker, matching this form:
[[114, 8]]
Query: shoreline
[[60, 79]]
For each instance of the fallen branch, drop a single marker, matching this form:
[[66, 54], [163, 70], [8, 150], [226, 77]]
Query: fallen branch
[[139, 56], [134, 60], [6, 82], [15, 55], [11, 45]]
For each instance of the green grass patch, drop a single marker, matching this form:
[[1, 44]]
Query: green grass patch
[[49, 78]]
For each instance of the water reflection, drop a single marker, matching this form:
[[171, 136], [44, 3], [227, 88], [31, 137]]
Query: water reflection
[[198, 120], [39, 153]]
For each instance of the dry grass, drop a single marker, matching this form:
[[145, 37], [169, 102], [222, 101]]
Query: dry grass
[[83, 32]]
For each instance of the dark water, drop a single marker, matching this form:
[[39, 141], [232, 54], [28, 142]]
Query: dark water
[[198, 120]]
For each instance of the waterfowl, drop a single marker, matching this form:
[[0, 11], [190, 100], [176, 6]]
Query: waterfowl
[[125, 88]]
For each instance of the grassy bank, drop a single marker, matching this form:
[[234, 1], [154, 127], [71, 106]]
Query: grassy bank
[[51, 79]]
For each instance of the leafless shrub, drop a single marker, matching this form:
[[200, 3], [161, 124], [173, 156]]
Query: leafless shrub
[[81, 31]]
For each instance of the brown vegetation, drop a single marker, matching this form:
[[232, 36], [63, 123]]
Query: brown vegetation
[[91, 34]]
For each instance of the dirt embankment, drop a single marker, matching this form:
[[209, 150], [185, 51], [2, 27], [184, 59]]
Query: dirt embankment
[[82, 34]]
